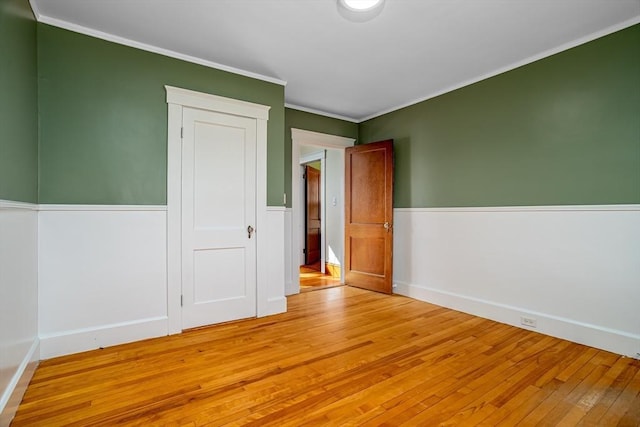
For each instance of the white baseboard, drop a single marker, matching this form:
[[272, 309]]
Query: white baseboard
[[76, 341], [276, 305], [12, 396], [288, 286], [607, 339]]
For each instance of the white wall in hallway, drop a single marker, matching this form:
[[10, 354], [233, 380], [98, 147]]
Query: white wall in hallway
[[334, 209]]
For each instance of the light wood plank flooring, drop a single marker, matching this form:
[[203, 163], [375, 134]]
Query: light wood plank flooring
[[311, 279], [340, 356]]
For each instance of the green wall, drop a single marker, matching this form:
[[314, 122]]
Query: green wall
[[564, 130], [18, 103], [316, 123], [103, 129]]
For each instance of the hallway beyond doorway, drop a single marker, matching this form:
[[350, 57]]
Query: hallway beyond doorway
[[311, 278]]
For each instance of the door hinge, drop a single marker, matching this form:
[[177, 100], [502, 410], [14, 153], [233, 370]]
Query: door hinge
[[304, 176], [181, 132], [181, 299], [304, 251]]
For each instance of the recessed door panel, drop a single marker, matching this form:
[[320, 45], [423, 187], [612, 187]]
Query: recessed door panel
[[367, 187], [365, 255], [218, 154], [218, 275]]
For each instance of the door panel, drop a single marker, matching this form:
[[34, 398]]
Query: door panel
[[218, 152], [365, 253], [368, 187], [313, 241], [219, 191], [369, 216], [223, 264]]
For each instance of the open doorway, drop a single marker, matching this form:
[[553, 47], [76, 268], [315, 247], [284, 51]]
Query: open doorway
[[309, 147], [313, 215], [319, 232]]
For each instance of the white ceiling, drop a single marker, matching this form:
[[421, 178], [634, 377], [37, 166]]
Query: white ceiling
[[414, 50]]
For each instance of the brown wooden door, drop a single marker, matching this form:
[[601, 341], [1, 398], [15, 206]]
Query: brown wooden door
[[312, 254], [369, 216]]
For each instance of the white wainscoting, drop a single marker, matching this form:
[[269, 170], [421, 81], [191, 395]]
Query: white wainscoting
[[575, 269], [19, 351], [276, 237], [288, 255], [102, 276]]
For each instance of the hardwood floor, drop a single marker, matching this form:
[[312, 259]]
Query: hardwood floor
[[340, 356], [311, 279]]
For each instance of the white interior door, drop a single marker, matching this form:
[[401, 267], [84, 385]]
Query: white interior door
[[218, 207]]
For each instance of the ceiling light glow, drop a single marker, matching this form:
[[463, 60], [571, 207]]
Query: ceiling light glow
[[361, 5], [360, 10]]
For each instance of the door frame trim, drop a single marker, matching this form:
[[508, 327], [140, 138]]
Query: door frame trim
[[177, 99], [321, 140]]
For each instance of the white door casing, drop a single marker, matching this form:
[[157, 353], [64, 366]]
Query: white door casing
[[179, 101], [218, 207]]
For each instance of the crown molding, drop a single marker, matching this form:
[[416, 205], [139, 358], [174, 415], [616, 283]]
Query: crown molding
[[321, 113], [545, 54], [147, 47]]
